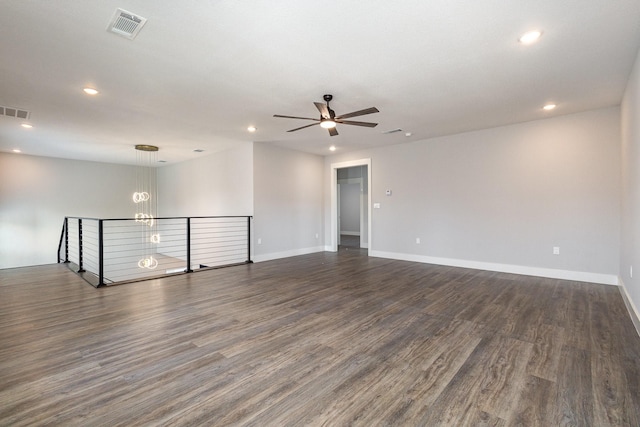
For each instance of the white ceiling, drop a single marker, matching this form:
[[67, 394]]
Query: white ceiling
[[200, 72]]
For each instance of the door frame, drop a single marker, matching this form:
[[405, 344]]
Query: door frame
[[334, 200]]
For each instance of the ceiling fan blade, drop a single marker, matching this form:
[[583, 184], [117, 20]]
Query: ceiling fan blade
[[324, 111], [359, 113], [351, 122], [302, 127], [333, 131], [294, 117]]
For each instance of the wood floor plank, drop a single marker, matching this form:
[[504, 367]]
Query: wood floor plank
[[546, 352], [574, 389], [323, 339], [536, 398], [609, 392]]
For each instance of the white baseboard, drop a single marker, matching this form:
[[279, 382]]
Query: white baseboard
[[287, 254], [631, 307], [605, 279], [350, 233]]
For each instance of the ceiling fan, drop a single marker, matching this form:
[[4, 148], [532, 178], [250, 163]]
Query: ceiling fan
[[328, 118]]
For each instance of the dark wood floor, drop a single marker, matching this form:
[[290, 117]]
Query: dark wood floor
[[347, 241], [324, 339]]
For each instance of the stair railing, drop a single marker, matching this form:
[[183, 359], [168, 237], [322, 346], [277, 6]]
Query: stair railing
[[113, 251]]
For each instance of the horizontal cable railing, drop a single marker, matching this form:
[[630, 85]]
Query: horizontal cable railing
[[109, 251]]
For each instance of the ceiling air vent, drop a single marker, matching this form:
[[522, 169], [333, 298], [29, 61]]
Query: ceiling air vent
[[14, 112], [391, 131], [126, 24]]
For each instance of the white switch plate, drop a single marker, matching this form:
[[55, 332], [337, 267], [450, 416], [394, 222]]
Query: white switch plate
[[259, 241], [631, 271], [376, 206], [556, 250], [388, 192], [316, 235], [417, 240]]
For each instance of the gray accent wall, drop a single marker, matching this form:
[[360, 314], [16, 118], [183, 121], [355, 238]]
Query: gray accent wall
[[630, 231], [502, 196], [36, 193]]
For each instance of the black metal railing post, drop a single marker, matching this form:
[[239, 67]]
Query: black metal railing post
[[188, 269], [100, 254], [249, 240], [66, 240], [80, 261]]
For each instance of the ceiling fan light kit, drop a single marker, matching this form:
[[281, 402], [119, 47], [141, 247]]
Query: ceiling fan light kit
[[329, 120], [327, 124]]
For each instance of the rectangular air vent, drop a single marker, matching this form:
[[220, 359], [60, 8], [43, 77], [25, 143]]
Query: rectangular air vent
[[392, 131], [126, 24], [14, 112]]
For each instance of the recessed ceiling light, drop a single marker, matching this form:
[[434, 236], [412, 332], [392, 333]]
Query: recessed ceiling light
[[549, 107], [252, 128], [332, 148], [90, 91], [26, 125], [408, 134], [530, 37], [16, 150]]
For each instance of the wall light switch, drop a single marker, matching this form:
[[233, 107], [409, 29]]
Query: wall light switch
[[316, 235], [376, 206], [388, 192], [556, 250], [259, 241], [417, 240]]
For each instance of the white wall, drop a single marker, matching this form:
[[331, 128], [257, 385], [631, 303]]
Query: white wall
[[287, 202], [630, 231], [36, 193], [216, 184], [502, 198]]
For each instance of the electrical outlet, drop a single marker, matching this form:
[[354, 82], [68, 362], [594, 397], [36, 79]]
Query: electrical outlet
[[556, 250]]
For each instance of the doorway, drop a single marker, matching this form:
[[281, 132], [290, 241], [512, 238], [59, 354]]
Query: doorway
[[350, 206]]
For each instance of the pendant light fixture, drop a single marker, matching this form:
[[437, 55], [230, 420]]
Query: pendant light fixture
[[145, 198]]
